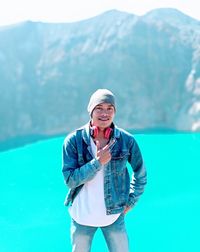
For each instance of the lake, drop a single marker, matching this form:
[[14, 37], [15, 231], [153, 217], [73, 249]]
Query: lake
[[166, 218]]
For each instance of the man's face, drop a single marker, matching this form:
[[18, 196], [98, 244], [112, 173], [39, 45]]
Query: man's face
[[103, 115]]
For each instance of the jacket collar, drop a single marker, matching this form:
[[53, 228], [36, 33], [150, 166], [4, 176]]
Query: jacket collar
[[86, 132]]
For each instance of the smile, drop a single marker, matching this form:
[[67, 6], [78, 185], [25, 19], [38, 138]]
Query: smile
[[103, 119]]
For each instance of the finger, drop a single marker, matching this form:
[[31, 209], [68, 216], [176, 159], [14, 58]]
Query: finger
[[109, 144], [105, 148], [98, 144], [126, 210]]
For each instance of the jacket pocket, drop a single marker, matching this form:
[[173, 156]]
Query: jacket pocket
[[118, 162]]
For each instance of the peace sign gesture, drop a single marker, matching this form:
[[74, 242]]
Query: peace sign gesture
[[103, 154]]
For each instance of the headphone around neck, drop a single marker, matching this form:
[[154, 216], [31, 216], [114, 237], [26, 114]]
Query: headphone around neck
[[94, 131]]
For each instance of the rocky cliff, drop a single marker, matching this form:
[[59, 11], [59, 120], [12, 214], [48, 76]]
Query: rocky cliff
[[151, 62]]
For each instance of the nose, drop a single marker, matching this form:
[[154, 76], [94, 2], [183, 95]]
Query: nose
[[104, 112]]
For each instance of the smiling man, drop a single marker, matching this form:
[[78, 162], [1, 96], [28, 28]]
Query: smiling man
[[95, 159]]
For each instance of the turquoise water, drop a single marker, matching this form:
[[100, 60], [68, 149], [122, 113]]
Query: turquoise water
[[33, 217]]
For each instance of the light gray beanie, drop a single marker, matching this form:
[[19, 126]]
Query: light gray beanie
[[100, 96]]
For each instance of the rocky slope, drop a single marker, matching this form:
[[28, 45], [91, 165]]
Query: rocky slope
[[151, 62]]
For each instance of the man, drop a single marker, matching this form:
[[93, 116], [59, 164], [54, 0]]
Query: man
[[95, 157]]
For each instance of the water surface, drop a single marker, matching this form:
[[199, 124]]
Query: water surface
[[33, 217]]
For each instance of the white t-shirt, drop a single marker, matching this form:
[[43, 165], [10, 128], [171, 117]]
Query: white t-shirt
[[89, 207]]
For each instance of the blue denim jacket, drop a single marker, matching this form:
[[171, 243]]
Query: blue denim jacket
[[79, 166]]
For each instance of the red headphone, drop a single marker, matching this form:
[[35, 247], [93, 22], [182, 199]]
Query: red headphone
[[94, 131]]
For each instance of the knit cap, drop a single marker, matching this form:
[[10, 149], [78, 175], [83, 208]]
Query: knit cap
[[100, 96]]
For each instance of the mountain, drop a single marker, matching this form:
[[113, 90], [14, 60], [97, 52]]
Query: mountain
[[151, 62]]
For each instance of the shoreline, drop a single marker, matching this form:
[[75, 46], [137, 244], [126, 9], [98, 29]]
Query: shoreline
[[20, 141]]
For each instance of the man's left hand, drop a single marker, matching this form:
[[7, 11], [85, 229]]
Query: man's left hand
[[127, 209]]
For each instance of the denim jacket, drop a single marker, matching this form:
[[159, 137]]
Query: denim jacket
[[79, 166]]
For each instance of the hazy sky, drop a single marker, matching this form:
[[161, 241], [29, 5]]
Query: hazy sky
[[13, 11]]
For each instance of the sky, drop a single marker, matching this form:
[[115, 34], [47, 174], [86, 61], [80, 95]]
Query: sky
[[14, 11]]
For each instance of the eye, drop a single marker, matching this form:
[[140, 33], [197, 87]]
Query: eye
[[110, 110], [98, 109]]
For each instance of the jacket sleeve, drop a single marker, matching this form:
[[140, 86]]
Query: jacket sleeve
[[75, 175], [139, 177]]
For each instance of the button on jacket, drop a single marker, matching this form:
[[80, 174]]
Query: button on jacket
[[79, 166]]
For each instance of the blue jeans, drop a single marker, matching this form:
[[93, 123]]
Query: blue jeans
[[114, 234]]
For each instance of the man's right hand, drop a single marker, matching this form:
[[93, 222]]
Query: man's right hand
[[103, 155]]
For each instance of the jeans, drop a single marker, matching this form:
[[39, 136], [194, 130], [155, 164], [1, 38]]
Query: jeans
[[114, 234]]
